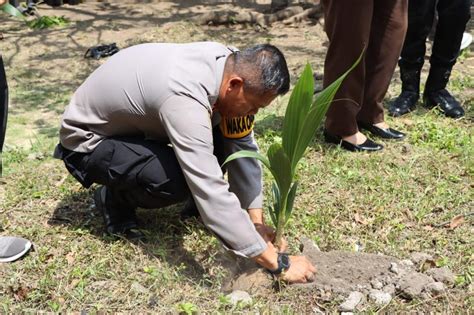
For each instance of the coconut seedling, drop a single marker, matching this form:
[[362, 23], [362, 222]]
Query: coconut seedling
[[303, 117]]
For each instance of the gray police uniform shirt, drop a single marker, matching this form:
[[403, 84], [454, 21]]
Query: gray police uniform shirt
[[166, 92]]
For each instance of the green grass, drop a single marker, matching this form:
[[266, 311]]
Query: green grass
[[400, 196]]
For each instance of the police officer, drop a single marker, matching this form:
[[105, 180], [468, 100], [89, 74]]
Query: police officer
[[152, 125], [453, 16]]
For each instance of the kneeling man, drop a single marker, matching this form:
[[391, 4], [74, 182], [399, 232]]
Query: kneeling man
[[152, 126]]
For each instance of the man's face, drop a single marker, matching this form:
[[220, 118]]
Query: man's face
[[234, 101]]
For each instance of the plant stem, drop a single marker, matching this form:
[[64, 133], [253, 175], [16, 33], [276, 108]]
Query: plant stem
[[281, 221]]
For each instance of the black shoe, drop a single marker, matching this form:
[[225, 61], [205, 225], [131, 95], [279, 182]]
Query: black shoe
[[403, 104], [368, 145], [448, 105], [189, 210], [387, 133], [116, 222]]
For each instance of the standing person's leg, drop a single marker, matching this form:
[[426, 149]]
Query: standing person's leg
[[135, 173], [389, 26], [347, 25], [3, 109], [421, 14], [453, 17]]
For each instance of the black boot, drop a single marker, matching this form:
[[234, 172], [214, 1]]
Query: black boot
[[435, 93], [406, 101], [189, 210], [118, 221]]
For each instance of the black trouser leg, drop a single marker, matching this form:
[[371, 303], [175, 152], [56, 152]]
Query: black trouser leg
[[3, 109], [420, 19], [139, 173], [453, 17], [136, 172]]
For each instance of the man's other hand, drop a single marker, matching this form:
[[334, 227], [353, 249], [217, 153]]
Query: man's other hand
[[301, 270], [268, 234]]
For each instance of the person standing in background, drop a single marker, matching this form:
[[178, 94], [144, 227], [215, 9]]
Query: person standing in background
[[453, 16], [379, 27], [3, 102]]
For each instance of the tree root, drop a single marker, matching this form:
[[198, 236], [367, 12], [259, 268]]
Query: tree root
[[310, 13], [289, 15]]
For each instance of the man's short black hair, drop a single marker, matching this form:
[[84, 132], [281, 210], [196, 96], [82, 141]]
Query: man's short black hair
[[263, 68]]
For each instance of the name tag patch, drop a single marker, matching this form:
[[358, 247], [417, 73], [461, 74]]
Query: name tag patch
[[237, 127]]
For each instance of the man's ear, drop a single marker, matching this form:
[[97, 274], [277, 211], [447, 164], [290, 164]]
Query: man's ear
[[235, 84]]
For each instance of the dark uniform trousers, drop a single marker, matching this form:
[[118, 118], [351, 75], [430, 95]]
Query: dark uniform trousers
[[453, 16], [379, 26], [137, 172], [3, 108]]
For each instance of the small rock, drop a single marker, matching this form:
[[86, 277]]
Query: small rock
[[239, 296], [317, 310], [412, 284], [394, 268], [435, 288], [407, 263], [390, 289], [361, 287], [376, 284], [379, 297], [35, 156], [307, 245], [138, 288], [424, 296], [406, 148], [351, 302], [419, 258], [153, 301], [347, 313], [442, 274]]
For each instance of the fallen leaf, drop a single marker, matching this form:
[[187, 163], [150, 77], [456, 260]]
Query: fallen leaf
[[456, 221], [20, 294], [70, 258], [428, 228], [360, 219], [75, 282]]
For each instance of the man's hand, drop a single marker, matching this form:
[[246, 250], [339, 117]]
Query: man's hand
[[301, 270], [267, 232]]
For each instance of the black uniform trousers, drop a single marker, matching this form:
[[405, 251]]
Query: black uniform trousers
[[3, 109], [453, 16], [137, 172]]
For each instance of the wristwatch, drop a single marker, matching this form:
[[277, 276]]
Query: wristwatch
[[283, 264]]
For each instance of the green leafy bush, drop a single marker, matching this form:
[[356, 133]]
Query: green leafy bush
[[48, 21]]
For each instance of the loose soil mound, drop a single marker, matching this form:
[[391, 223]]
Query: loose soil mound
[[353, 276]]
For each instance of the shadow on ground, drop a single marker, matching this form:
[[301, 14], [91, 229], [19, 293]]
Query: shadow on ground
[[163, 229]]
